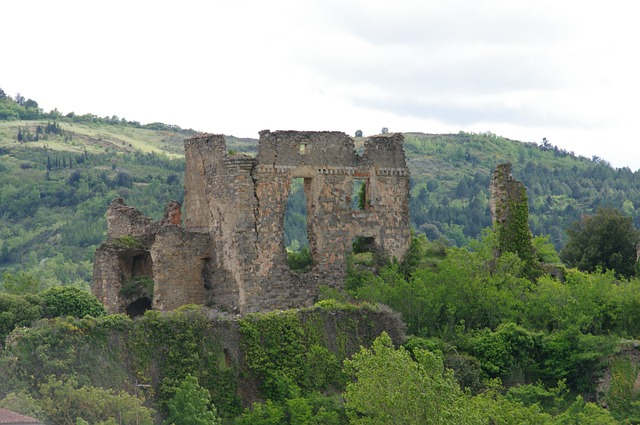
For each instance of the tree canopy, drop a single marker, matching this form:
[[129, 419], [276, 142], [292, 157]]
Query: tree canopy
[[606, 240], [191, 405], [392, 388]]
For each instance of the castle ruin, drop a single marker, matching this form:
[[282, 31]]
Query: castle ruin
[[226, 249]]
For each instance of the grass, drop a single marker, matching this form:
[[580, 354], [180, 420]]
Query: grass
[[97, 138]]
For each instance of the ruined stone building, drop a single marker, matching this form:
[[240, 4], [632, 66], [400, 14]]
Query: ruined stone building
[[226, 248]]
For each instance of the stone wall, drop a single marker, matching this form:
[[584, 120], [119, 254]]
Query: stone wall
[[231, 254], [181, 268]]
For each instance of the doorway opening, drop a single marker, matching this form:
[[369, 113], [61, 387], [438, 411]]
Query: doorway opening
[[138, 307]]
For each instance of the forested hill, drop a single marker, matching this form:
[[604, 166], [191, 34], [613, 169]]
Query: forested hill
[[59, 172], [450, 180]]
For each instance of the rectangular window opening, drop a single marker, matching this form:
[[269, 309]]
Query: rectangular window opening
[[296, 234], [360, 194], [363, 251]]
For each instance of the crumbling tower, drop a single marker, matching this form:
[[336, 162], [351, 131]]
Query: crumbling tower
[[510, 212]]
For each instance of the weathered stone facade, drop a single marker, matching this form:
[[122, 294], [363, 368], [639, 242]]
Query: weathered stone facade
[[505, 191], [230, 254]]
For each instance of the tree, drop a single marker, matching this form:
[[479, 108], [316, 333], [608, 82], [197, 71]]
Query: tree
[[358, 133], [30, 103], [70, 301], [392, 388], [17, 311], [22, 402], [21, 283], [384, 130], [191, 405], [3, 95], [606, 240], [66, 402], [19, 99]]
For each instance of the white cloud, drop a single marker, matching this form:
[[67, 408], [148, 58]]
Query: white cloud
[[562, 70]]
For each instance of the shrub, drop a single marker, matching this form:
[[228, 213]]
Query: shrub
[[300, 261], [70, 301], [17, 311]]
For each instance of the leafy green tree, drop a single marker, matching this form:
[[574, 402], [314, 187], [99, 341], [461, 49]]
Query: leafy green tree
[[390, 387], [30, 103], [22, 402], [268, 413], [9, 110], [583, 413], [21, 283], [507, 353], [17, 311], [545, 250], [65, 402], [606, 240], [191, 405], [70, 301], [19, 99]]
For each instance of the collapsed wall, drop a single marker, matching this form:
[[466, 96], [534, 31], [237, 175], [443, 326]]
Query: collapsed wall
[[231, 254], [145, 264]]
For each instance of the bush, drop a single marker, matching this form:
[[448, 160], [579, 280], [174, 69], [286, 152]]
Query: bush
[[17, 311], [300, 261], [70, 301], [61, 400]]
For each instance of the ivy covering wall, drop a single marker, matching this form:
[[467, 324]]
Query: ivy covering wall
[[274, 356]]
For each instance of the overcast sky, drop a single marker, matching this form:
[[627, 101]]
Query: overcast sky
[[565, 70]]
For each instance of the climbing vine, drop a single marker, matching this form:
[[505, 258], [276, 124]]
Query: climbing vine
[[289, 351], [514, 234], [167, 348], [292, 356]]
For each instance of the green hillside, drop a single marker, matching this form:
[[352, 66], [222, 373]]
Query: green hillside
[[58, 176], [451, 175]]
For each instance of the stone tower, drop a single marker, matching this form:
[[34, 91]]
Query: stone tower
[[510, 212]]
